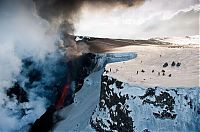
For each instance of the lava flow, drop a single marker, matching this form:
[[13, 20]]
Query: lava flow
[[61, 100], [46, 121]]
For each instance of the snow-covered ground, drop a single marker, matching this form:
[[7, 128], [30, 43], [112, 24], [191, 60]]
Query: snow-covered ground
[[147, 68], [125, 107], [158, 90], [77, 116], [195, 40]]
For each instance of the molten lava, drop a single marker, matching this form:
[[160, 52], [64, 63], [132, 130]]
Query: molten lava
[[61, 100]]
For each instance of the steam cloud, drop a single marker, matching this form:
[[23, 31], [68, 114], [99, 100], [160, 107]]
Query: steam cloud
[[27, 50]]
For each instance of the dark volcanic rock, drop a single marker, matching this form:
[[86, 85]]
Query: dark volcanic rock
[[145, 130], [119, 84], [19, 92], [149, 92], [45, 122], [120, 120], [165, 115], [81, 68], [164, 101], [133, 108]]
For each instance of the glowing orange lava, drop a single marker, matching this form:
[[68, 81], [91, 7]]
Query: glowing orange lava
[[61, 100]]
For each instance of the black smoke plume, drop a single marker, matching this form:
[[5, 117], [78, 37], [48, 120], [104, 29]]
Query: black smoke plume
[[66, 11]]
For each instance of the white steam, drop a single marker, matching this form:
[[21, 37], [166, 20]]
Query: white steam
[[22, 35], [10, 64]]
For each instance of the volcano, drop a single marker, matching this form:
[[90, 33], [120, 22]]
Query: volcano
[[105, 84]]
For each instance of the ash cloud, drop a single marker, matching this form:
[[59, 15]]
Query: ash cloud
[[66, 11], [62, 14]]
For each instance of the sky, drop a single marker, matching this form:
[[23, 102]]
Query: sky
[[154, 18]]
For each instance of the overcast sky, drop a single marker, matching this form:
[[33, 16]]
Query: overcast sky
[[155, 18]]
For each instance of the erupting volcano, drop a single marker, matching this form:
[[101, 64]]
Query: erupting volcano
[[99, 65]]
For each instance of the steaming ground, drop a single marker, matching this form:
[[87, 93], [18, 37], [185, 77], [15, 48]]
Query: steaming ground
[[13, 54]]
